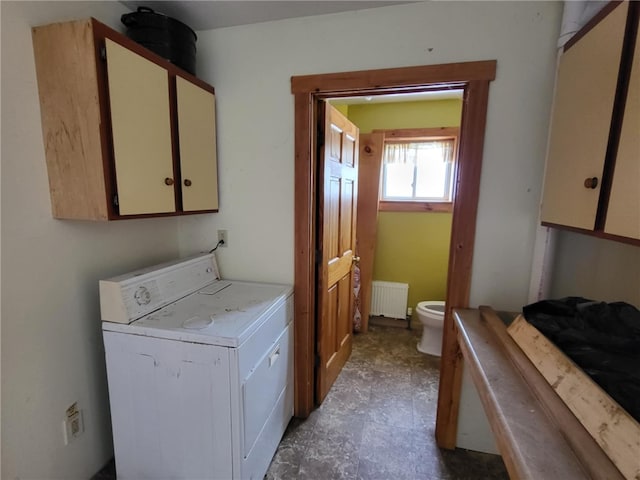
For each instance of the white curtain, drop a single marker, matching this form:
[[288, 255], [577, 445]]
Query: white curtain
[[409, 152]]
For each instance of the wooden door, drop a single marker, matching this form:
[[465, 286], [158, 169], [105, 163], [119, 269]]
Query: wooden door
[[197, 134], [369, 169], [141, 129], [337, 204]]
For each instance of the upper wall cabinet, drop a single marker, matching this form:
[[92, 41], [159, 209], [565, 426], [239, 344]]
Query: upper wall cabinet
[[623, 213], [593, 166], [126, 133]]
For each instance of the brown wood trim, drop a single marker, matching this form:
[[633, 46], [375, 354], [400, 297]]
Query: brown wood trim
[[416, 133], [594, 233], [424, 207], [190, 78], [106, 133], [617, 115], [597, 18], [306, 89], [395, 77], [463, 231], [158, 215], [304, 259], [175, 144], [370, 165]]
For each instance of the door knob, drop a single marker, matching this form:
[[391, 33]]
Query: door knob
[[168, 181], [187, 182], [355, 259], [591, 182]]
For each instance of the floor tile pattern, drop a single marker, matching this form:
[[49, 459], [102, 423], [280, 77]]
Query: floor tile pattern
[[377, 422]]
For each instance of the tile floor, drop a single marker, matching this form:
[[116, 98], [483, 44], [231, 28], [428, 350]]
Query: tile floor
[[377, 421]]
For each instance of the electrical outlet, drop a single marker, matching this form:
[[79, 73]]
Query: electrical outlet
[[73, 424], [222, 236]]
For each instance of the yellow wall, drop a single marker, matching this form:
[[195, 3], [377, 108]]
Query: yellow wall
[[426, 114], [343, 109], [411, 247]]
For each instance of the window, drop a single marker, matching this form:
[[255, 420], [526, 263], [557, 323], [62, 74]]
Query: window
[[418, 171]]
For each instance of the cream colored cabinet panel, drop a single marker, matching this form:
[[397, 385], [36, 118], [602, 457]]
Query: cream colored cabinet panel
[[623, 213], [197, 134], [583, 106], [141, 129]]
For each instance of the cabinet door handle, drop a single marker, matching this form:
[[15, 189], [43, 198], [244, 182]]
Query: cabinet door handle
[[187, 182], [168, 181], [591, 182]]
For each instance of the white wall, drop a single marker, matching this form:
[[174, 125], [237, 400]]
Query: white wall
[[251, 66], [52, 351], [595, 268]]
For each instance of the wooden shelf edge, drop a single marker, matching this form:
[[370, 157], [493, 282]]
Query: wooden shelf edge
[[591, 456], [593, 233]]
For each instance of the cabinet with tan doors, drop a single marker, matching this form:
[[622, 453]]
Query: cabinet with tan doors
[[126, 133], [592, 181]]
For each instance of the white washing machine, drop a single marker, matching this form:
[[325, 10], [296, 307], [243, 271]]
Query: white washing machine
[[200, 371]]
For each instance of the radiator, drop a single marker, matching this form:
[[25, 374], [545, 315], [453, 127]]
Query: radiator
[[389, 299]]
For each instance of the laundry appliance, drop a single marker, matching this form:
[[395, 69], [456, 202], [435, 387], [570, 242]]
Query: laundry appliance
[[199, 369]]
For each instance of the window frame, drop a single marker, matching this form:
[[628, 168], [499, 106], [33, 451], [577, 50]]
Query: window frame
[[412, 135]]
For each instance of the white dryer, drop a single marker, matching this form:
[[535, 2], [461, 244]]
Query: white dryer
[[200, 371]]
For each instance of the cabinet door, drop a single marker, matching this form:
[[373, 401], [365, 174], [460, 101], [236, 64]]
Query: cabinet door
[[197, 138], [623, 213], [141, 129], [583, 106]]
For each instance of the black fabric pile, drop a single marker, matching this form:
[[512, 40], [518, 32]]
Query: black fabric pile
[[601, 338]]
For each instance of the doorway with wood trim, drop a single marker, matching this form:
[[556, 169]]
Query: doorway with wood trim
[[473, 78], [408, 156]]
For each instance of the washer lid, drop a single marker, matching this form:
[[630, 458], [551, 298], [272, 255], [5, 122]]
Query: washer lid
[[225, 317]]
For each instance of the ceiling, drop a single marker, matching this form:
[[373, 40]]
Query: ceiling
[[207, 15], [210, 14]]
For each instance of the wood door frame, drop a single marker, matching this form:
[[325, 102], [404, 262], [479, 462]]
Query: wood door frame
[[369, 172], [474, 79]]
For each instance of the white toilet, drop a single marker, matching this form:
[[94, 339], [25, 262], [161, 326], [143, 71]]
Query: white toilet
[[431, 315]]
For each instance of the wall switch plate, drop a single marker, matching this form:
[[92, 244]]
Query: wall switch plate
[[222, 236], [73, 424]]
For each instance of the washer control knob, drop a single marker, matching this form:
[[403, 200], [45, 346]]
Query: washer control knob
[[142, 295]]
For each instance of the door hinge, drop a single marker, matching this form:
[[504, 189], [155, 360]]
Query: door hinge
[[318, 257], [115, 199], [317, 360], [103, 52]]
